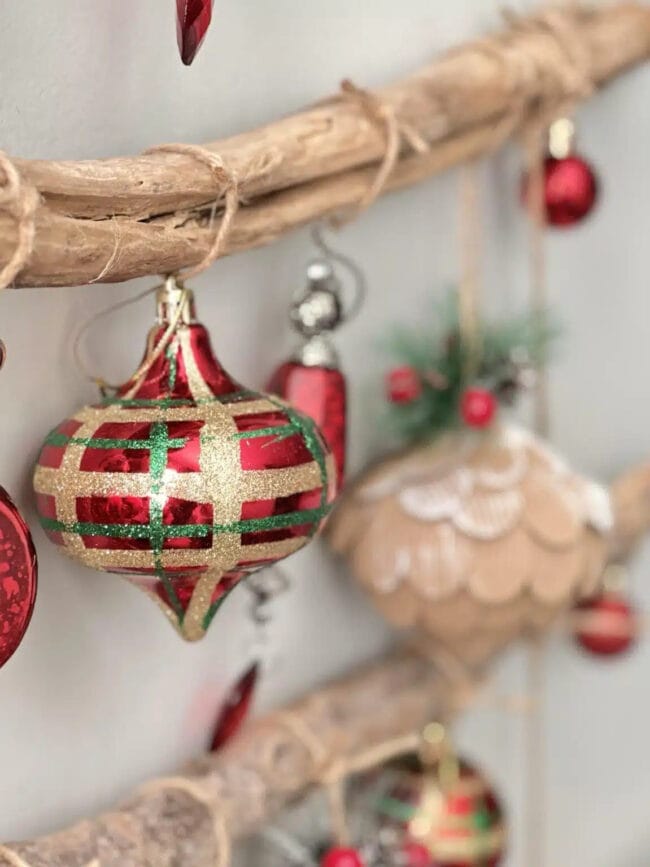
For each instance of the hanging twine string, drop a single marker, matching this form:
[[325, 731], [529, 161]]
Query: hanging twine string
[[228, 185], [396, 132], [470, 257], [227, 181], [20, 201]]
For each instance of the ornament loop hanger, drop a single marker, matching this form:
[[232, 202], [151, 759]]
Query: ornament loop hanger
[[333, 256]]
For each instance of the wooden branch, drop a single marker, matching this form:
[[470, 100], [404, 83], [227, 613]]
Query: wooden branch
[[110, 220], [180, 822]]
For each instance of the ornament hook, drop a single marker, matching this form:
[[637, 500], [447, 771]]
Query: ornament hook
[[333, 256]]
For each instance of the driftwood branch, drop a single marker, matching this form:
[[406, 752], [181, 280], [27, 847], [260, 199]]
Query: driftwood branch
[[181, 822], [111, 220]]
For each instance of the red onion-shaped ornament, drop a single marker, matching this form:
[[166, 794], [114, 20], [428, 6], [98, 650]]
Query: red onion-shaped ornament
[[606, 625], [312, 380], [193, 19], [18, 577], [570, 185], [184, 481], [459, 821]]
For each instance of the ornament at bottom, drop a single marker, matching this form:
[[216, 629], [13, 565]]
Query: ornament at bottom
[[184, 481], [570, 183], [445, 808], [18, 577]]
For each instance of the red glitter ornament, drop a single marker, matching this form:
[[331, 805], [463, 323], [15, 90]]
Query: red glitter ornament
[[18, 577], [321, 393], [235, 708], [342, 856], [606, 625], [183, 480], [478, 407], [403, 385], [192, 21]]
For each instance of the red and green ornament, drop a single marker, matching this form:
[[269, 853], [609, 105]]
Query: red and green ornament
[[456, 819], [182, 480]]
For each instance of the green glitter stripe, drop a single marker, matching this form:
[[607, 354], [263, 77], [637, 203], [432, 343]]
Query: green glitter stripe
[[143, 531], [212, 610], [395, 809], [281, 430], [170, 355], [170, 402], [157, 465], [59, 439], [307, 427]]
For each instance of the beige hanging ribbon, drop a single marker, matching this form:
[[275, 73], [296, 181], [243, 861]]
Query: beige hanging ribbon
[[395, 130], [20, 200]]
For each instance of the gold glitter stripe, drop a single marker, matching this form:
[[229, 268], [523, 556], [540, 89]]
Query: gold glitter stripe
[[148, 415], [223, 481], [256, 484], [481, 845]]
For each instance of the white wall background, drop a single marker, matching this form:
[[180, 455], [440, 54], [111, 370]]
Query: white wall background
[[102, 694]]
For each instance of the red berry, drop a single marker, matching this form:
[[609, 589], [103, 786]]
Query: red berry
[[477, 407], [341, 856], [403, 385], [417, 855]]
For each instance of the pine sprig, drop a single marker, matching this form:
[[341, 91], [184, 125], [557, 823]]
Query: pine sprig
[[510, 353]]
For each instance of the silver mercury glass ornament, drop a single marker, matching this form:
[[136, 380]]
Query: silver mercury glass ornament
[[315, 312]]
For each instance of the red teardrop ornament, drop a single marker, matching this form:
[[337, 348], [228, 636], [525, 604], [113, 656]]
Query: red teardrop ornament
[[192, 21], [18, 577], [235, 708], [321, 393], [606, 625]]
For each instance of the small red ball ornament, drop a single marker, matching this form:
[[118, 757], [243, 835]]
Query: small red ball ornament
[[342, 856], [570, 190], [183, 480], [403, 385], [417, 855], [18, 577], [478, 407], [606, 625]]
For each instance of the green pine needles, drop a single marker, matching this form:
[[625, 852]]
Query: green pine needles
[[429, 391]]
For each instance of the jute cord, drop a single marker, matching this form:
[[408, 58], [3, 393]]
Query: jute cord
[[20, 200], [396, 132]]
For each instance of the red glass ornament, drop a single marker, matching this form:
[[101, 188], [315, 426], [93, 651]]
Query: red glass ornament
[[321, 393], [342, 856], [478, 407], [460, 825], [184, 481], [192, 21], [570, 190], [606, 625], [403, 385], [235, 708], [417, 855], [18, 577]]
